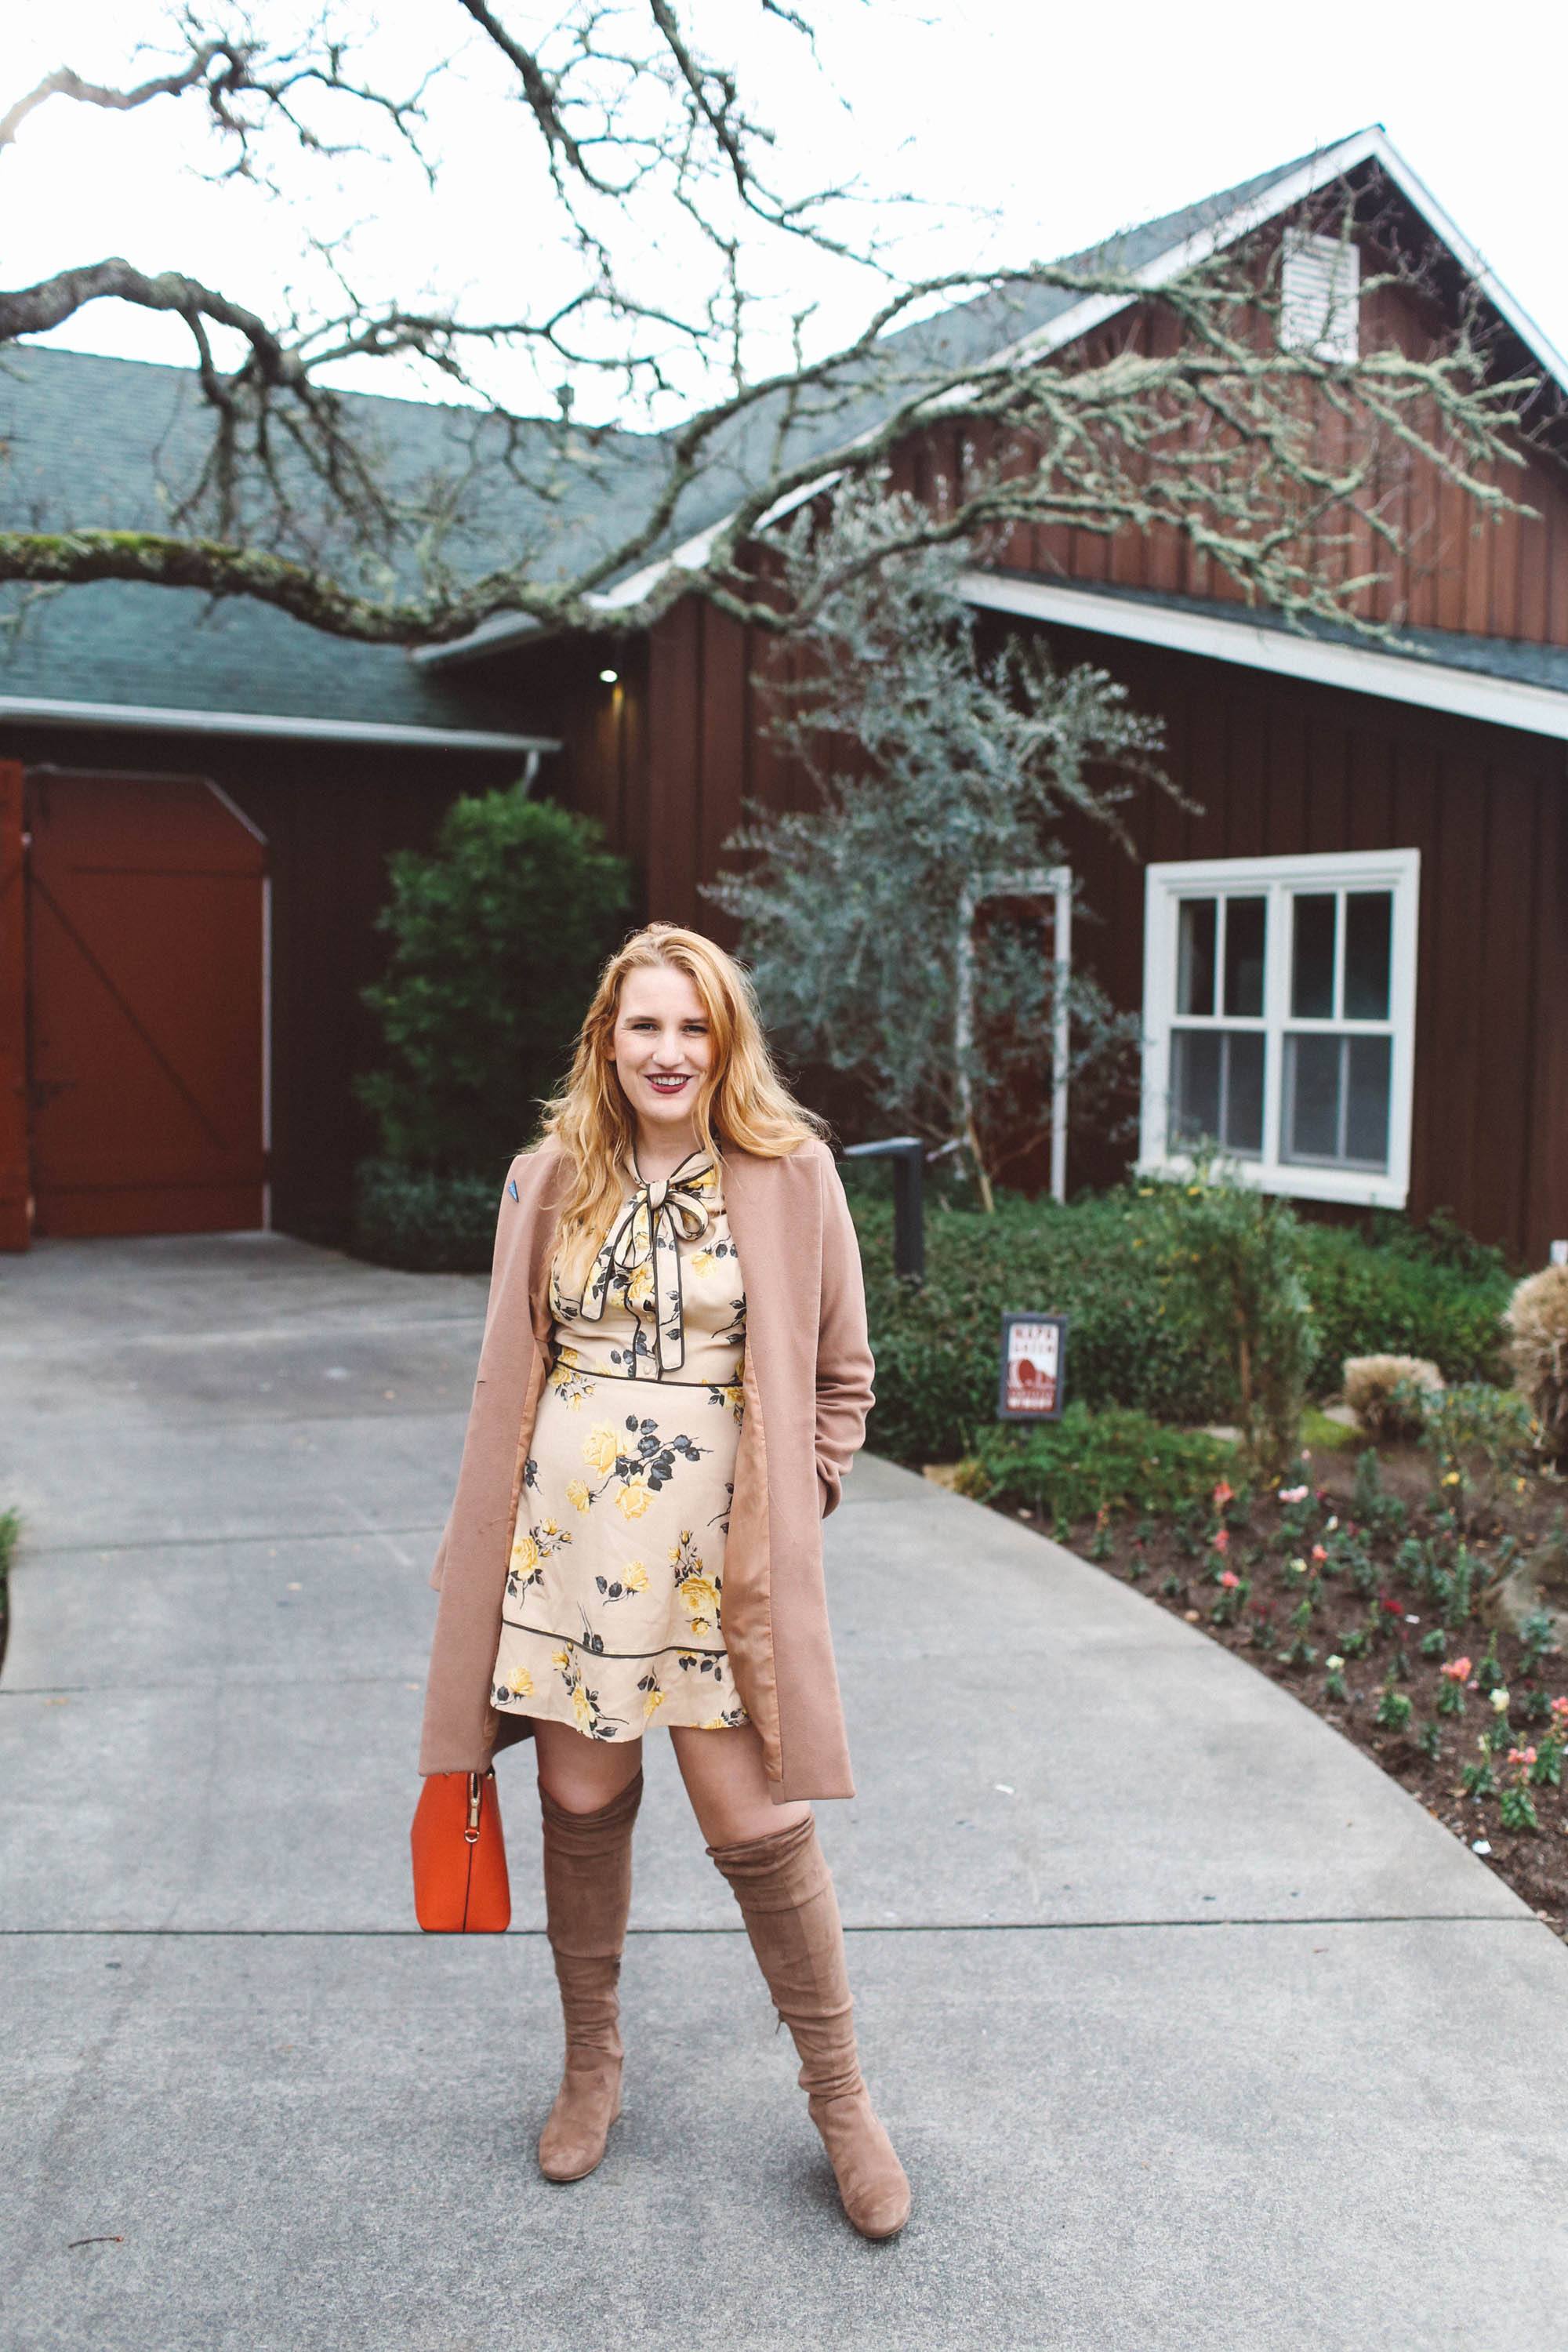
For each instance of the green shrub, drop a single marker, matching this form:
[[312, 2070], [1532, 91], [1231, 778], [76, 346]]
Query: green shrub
[[1089, 1461], [1381, 1300], [1231, 1260], [497, 936], [422, 1223], [1097, 1261], [937, 1348]]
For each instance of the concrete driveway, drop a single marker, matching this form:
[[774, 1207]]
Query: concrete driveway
[[1194, 2030]]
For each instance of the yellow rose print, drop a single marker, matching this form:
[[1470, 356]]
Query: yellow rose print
[[577, 1495], [652, 1699], [601, 1447], [633, 1576], [561, 1661], [580, 1708], [699, 1595], [703, 1261], [524, 1556], [639, 1289], [633, 1499], [520, 1681]]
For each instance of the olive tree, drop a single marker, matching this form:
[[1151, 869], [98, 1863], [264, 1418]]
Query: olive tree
[[934, 769]]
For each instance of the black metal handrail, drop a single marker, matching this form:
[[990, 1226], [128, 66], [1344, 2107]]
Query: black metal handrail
[[908, 1154]]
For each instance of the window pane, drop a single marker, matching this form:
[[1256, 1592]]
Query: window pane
[[1244, 1090], [1312, 961], [1366, 1113], [1244, 936], [1313, 1097], [1369, 922], [1194, 1083], [1195, 956]]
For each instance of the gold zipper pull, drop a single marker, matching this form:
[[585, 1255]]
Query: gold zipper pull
[[471, 1834]]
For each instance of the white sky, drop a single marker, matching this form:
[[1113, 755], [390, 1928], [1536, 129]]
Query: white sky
[[1064, 123]]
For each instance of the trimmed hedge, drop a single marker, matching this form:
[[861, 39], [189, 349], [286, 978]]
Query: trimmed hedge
[[936, 1349], [1395, 1300], [424, 1224]]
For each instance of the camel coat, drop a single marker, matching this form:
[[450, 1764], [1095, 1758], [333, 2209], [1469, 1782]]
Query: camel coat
[[807, 1387]]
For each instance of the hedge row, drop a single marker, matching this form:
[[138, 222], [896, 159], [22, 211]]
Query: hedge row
[[1408, 1293], [936, 1348], [424, 1224]]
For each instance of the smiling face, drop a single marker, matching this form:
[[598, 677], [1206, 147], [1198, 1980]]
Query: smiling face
[[661, 1047]]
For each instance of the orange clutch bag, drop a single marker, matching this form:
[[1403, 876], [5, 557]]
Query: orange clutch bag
[[460, 1886]]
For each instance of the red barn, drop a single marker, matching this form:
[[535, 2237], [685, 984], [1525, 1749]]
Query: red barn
[[1351, 964]]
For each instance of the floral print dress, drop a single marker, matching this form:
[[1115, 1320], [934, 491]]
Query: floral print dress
[[611, 1613]]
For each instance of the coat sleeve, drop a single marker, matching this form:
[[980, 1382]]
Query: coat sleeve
[[510, 1201], [844, 1361]]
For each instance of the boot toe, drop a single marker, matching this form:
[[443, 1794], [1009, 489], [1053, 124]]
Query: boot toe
[[882, 2213], [578, 2126]]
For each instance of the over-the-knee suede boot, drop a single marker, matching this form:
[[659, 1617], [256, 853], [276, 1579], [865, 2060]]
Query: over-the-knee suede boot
[[587, 1895], [784, 1889]]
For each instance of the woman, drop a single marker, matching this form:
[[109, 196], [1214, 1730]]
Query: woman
[[674, 1380]]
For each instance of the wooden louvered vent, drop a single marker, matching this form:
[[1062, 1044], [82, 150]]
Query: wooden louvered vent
[[1320, 296]]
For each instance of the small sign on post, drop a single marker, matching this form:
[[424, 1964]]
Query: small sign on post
[[1034, 1364]]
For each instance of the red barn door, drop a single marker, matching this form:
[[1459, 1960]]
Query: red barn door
[[15, 1221], [147, 975]]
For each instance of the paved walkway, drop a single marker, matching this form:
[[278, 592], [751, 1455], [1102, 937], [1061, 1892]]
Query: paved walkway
[[1194, 2030]]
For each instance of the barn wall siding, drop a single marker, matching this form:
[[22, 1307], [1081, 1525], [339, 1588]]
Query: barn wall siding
[[1279, 767]]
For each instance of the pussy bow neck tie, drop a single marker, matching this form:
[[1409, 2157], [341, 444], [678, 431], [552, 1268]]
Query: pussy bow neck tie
[[660, 1209]]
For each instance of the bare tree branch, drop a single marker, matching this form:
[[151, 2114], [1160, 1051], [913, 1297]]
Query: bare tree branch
[[66, 83], [1281, 469]]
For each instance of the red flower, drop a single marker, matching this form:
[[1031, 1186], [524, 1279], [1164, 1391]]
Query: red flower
[[1221, 1539], [1394, 1608]]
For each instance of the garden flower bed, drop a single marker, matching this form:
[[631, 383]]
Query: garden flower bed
[[1373, 1586]]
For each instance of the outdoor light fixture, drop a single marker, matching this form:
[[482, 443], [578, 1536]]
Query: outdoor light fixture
[[609, 677]]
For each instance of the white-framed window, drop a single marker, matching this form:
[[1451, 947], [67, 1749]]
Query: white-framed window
[[1279, 1017], [1320, 295]]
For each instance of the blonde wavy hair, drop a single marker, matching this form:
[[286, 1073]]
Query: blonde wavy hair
[[741, 1101]]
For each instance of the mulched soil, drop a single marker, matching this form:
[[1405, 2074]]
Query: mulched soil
[[1394, 1615]]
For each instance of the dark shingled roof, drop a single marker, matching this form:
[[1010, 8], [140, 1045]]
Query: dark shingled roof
[[105, 442]]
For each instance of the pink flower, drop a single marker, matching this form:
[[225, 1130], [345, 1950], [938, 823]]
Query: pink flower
[[1456, 1669], [1292, 1494], [1223, 1495], [1229, 1578], [1559, 1707], [1317, 1552], [1522, 1755], [1221, 1539]]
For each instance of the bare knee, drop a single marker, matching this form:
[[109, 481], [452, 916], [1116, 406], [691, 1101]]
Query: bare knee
[[581, 1774], [739, 1824]]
